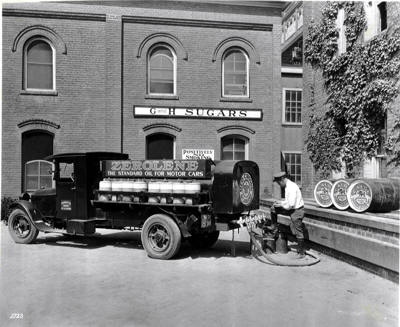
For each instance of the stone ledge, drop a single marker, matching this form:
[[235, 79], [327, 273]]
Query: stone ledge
[[367, 220], [366, 237]]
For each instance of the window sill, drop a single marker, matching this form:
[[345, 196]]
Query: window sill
[[292, 124], [38, 92], [227, 99], [161, 97]]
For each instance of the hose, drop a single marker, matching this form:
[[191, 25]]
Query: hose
[[277, 259]]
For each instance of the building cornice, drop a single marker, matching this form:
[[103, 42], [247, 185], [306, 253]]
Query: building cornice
[[197, 23], [53, 14], [137, 19]]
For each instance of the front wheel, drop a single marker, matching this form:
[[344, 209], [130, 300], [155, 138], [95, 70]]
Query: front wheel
[[21, 228], [204, 241], [161, 237]]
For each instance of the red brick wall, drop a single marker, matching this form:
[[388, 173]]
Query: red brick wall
[[89, 100]]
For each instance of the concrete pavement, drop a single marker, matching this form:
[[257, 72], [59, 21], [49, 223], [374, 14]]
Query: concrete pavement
[[108, 280]]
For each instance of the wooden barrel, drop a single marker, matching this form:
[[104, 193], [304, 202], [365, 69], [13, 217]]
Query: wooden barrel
[[322, 193], [374, 195], [339, 193]]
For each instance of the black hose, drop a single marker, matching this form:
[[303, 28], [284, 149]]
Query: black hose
[[277, 259]]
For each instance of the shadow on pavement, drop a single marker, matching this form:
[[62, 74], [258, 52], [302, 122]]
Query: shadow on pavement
[[131, 240]]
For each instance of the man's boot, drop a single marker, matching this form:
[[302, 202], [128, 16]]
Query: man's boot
[[301, 251]]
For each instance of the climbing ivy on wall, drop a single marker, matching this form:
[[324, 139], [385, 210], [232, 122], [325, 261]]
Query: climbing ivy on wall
[[360, 84]]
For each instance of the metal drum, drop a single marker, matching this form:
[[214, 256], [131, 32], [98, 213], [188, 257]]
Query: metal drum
[[105, 185], [322, 193], [339, 193], [374, 195]]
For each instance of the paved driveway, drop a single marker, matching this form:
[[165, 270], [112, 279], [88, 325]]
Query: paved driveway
[[109, 281]]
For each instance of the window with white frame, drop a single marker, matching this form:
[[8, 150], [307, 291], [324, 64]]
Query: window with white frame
[[293, 163], [39, 65], [341, 40], [235, 73], [38, 175], [234, 147], [162, 70], [292, 100], [376, 16]]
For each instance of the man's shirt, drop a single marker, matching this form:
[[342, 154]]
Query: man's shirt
[[293, 197]]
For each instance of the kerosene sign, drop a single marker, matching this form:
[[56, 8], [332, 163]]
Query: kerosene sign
[[189, 112], [157, 168]]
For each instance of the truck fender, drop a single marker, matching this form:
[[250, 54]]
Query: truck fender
[[33, 214]]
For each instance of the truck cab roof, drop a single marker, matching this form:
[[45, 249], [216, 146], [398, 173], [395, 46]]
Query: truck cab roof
[[101, 155]]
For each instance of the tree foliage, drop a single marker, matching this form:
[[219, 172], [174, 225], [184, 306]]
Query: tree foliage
[[360, 85]]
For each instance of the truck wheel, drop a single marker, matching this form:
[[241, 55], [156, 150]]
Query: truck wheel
[[204, 241], [20, 227], [161, 237]]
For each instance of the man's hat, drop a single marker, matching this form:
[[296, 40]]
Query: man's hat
[[279, 176]]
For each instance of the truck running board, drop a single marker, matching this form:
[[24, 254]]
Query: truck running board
[[81, 227]]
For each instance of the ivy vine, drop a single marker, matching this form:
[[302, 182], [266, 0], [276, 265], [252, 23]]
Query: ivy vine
[[360, 85]]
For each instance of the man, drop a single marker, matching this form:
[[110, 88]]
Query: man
[[293, 206]]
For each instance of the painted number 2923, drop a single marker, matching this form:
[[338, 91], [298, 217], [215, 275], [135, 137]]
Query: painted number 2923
[[17, 316]]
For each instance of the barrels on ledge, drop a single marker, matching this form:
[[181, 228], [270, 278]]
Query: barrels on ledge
[[374, 195], [322, 193]]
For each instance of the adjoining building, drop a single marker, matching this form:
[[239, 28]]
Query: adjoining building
[[292, 90], [154, 79], [300, 79]]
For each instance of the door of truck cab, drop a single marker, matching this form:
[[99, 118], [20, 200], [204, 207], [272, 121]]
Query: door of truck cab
[[65, 176]]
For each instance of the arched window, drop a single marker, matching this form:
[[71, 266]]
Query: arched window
[[234, 147], [36, 145], [160, 146], [39, 65], [38, 174], [235, 74], [162, 70]]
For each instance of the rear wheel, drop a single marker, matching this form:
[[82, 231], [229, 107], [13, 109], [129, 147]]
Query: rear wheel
[[20, 227], [161, 237], [204, 241]]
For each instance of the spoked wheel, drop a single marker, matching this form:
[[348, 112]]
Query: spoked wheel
[[161, 237], [20, 227], [204, 241]]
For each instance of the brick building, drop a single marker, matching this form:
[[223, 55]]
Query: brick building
[[299, 77], [154, 79]]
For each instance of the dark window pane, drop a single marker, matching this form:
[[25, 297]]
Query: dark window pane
[[39, 66], [32, 183], [235, 73], [233, 148], [227, 155], [239, 155], [161, 71], [40, 77], [239, 145], [45, 168], [32, 168], [39, 52], [160, 146], [45, 182]]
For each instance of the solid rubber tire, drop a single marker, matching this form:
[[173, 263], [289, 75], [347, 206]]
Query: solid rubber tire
[[173, 231], [33, 233]]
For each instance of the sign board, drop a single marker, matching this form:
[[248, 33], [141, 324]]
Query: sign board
[[198, 169], [197, 154], [211, 113]]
